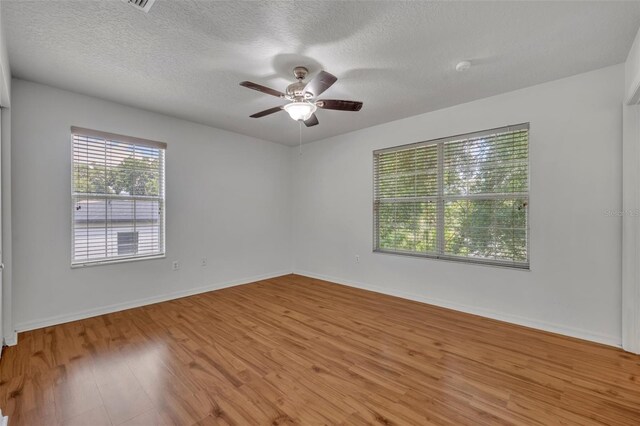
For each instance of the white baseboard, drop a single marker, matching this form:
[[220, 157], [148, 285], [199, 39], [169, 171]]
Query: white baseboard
[[514, 319], [61, 319]]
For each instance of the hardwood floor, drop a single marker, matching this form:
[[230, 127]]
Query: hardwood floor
[[294, 350]]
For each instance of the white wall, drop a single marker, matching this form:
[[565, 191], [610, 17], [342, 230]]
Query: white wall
[[233, 199], [228, 199], [574, 286]]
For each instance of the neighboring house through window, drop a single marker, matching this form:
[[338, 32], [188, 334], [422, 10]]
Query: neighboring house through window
[[118, 196], [460, 198]]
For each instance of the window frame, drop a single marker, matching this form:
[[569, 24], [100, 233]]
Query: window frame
[[441, 198], [162, 197]]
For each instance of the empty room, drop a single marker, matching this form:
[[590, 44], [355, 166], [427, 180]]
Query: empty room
[[319, 212]]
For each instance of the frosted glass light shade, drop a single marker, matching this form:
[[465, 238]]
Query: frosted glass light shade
[[300, 110]]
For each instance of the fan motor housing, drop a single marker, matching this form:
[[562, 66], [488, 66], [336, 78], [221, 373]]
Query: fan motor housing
[[295, 91]]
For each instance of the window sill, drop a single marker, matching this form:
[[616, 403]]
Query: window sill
[[118, 260], [517, 266]]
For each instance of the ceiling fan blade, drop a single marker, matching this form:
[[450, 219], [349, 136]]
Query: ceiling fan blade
[[266, 112], [339, 105], [320, 83], [311, 121], [261, 88]]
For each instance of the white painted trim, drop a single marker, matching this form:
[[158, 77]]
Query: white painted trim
[[633, 97], [4, 88], [631, 226], [630, 207], [60, 319], [514, 319], [11, 340], [5, 69], [7, 331]]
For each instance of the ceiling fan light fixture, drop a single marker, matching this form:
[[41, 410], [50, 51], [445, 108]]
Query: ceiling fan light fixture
[[300, 110], [303, 97]]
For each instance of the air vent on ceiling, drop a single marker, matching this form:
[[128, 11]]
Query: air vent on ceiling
[[143, 5]]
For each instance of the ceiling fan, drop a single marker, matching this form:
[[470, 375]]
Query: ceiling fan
[[303, 97]]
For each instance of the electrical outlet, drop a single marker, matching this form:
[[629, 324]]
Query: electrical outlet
[[175, 265], [357, 258], [203, 261]]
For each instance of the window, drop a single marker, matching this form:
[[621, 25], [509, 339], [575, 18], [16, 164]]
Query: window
[[460, 198], [118, 197]]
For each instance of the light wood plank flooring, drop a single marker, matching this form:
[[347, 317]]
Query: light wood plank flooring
[[294, 350]]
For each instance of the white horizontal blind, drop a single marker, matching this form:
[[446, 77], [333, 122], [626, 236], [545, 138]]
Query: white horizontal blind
[[460, 198], [118, 195]]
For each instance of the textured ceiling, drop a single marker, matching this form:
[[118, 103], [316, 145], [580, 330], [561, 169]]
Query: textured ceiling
[[186, 58]]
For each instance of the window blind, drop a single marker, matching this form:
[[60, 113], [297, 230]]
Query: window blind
[[118, 196], [460, 198]]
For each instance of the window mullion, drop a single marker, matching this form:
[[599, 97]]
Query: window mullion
[[134, 192], [107, 156], [440, 200]]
